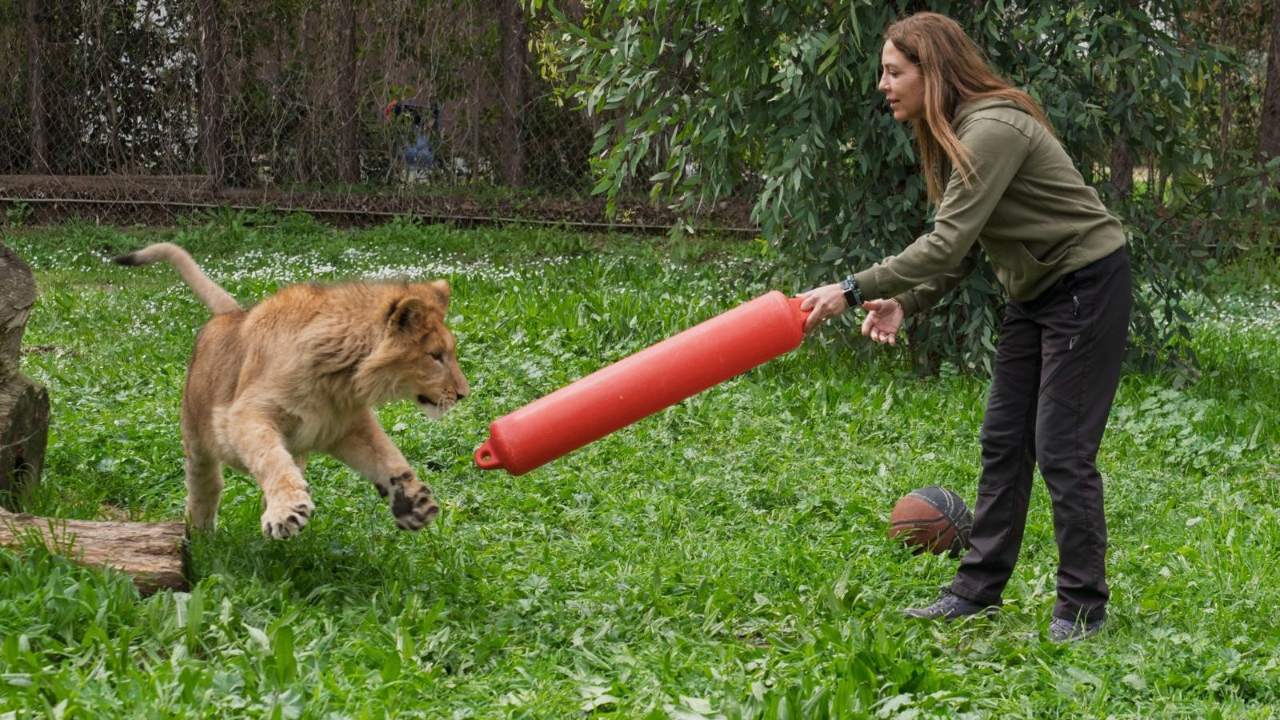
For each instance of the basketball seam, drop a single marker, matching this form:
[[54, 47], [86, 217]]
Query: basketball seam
[[922, 521]]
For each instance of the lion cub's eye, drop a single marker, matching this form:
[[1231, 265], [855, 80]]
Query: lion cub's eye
[[439, 357]]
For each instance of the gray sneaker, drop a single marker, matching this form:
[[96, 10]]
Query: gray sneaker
[[1061, 631], [950, 606]]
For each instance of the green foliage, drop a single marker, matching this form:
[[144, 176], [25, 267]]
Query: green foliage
[[1233, 216], [1231, 101], [726, 557], [779, 101], [17, 213]]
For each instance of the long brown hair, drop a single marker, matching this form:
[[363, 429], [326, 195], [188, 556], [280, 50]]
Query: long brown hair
[[954, 73]]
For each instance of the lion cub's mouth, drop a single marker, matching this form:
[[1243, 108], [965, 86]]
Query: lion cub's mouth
[[434, 410]]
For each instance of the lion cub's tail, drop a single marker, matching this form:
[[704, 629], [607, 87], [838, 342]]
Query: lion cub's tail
[[208, 291]]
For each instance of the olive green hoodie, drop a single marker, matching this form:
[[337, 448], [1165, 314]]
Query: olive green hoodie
[[1026, 205]]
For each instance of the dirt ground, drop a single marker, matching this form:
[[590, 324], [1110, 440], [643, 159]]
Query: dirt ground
[[160, 200]]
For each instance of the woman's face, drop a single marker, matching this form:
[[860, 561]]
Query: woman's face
[[901, 83]]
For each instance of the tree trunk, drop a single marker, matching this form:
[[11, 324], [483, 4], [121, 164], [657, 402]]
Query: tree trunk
[[154, 554], [1122, 166], [1269, 135], [24, 405], [477, 80], [1221, 33], [1228, 111], [304, 142], [514, 43], [212, 89], [105, 69], [17, 297], [1121, 156], [24, 436], [1152, 197], [348, 95], [38, 137]]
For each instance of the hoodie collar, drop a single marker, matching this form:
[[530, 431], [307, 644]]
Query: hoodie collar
[[974, 106]]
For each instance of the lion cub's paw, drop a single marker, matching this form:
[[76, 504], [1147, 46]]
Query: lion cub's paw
[[412, 502], [285, 516]]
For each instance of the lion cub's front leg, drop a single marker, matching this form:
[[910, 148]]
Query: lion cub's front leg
[[367, 450], [287, 498]]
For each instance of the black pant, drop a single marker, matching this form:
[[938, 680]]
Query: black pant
[[1056, 371]]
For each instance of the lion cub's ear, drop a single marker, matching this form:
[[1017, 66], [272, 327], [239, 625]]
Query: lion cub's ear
[[441, 288], [405, 313]]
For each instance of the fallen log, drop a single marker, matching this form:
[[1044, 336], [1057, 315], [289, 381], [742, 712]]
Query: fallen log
[[154, 554]]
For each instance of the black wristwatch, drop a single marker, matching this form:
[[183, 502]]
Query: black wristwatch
[[852, 293]]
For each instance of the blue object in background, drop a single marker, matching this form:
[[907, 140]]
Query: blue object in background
[[417, 152]]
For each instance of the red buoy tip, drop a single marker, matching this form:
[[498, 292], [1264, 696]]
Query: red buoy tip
[[486, 458]]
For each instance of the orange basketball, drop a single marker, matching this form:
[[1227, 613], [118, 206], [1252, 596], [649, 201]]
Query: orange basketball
[[934, 519]]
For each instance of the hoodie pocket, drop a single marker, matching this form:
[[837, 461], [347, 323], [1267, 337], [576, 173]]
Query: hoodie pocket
[[1017, 267]]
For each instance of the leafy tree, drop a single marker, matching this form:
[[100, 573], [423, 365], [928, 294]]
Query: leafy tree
[[778, 100]]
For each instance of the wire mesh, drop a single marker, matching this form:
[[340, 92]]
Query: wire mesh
[[342, 104]]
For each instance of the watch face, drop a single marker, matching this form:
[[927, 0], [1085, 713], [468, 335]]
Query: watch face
[[851, 295]]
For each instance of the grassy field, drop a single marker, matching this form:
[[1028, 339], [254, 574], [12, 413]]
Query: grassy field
[[725, 558]]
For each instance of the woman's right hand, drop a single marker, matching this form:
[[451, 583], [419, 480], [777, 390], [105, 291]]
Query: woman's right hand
[[822, 303], [884, 319]]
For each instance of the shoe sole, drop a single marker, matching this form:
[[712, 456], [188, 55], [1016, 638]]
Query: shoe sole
[[988, 612], [1075, 638]]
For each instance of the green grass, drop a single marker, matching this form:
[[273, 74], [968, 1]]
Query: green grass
[[726, 557]]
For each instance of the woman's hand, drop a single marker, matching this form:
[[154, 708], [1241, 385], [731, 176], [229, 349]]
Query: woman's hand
[[884, 318], [824, 302]]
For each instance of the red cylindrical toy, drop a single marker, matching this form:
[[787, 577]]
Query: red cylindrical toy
[[638, 386]]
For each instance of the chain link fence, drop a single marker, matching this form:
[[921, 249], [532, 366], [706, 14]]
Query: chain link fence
[[352, 106]]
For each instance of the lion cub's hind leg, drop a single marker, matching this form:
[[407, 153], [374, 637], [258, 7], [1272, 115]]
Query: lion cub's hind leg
[[204, 489], [367, 450], [285, 494]]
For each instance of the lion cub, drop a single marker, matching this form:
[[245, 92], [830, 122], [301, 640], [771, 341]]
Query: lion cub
[[299, 373]]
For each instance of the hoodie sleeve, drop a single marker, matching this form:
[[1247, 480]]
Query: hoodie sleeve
[[935, 263], [926, 294]]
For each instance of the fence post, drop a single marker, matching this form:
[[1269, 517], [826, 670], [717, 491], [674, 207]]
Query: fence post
[[24, 404]]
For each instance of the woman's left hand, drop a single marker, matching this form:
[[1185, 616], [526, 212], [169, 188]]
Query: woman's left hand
[[824, 302], [884, 319]]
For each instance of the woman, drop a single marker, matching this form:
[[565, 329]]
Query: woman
[[1002, 181]]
